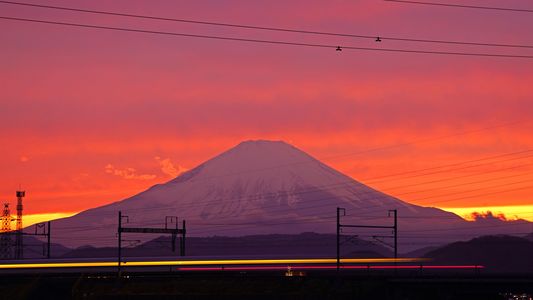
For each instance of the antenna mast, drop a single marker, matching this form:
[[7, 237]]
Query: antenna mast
[[19, 244]]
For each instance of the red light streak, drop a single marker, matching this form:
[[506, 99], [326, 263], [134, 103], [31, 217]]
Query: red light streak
[[280, 268]]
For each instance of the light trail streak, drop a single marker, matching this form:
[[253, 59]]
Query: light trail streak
[[208, 262], [279, 268]]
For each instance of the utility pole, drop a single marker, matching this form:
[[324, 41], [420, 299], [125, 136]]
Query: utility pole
[[394, 228], [172, 219], [339, 236], [119, 241], [49, 235], [182, 239], [395, 231], [45, 231], [172, 231]]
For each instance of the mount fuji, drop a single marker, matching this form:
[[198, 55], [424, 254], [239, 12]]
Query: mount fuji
[[265, 187]]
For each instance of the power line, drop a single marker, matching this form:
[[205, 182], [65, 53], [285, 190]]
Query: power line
[[373, 208], [486, 194], [464, 6], [341, 184], [462, 184], [271, 42], [463, 176], [280, 210], [413, 142], [373, 179], [473, 227], [493, 157], [265, 28], [474, 190], [431, 139], [283, 221], [320, 219], [280, 221], [321, 189], [467, 228], [420, 236]]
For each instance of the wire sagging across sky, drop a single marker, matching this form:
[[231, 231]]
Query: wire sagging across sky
[[263, 41], [270, 28], [511, 9]]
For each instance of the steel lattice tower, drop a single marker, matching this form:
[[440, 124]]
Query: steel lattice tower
[[5, 231]]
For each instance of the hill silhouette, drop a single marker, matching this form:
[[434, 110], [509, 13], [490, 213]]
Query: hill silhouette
[[499, 254]]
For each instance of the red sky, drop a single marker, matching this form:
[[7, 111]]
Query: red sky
[[84, 113]]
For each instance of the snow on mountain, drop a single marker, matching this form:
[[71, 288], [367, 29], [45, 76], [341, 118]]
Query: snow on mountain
[[257, 187]]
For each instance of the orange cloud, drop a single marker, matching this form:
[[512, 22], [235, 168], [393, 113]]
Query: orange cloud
[[487, 215], [127, 173], [505, 213], [168, 168]]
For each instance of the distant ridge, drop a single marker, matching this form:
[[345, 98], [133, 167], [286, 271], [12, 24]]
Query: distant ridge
[[499, 254], [270, 245]]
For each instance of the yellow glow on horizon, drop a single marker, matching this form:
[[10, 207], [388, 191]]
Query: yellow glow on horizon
[[511, 212], [29, 220], [210, 262]]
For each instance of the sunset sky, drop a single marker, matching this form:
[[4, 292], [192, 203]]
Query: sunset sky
[[88, 116]]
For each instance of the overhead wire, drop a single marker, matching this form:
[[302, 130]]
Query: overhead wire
[[23, 4], [431, 139], [324, 188], [321, 188], [281, 221], [510, 9], [267, 28], [435, 217], [153, 32], [6, 1], [253, 225], [337, 47], [318, 220]]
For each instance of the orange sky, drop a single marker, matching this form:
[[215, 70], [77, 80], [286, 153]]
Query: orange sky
[[88, 117]]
